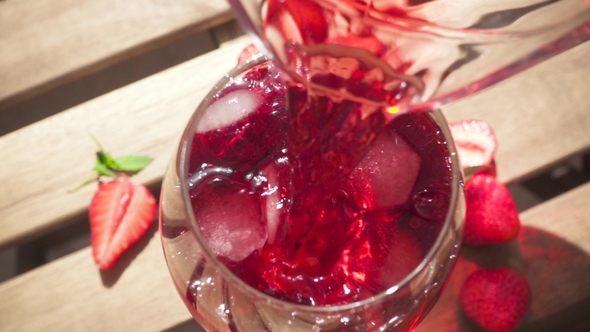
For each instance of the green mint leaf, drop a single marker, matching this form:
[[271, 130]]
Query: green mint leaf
[[102, 169], [131, 164]]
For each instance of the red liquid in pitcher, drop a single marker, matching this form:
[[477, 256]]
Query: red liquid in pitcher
[[319, 206]]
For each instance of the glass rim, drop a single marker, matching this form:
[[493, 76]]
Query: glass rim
[[181, 163]]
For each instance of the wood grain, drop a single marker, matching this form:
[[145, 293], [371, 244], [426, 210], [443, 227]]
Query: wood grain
[[48, 43], [70, 294]]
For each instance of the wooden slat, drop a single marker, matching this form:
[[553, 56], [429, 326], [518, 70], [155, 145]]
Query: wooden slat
[[48, 43], [42, 161], [71, 294], [552, 251]]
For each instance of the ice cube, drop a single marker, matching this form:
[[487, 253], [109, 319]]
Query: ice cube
[[386, 175], [405, 254], [229, 109], [229, 218]]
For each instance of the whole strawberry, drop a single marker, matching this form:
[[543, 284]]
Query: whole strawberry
[[496, 300], [491, 215]]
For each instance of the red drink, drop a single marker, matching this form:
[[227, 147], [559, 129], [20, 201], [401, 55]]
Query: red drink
[[320, 206]]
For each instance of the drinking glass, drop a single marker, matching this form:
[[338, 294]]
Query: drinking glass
[[425, 53], [222, 301]]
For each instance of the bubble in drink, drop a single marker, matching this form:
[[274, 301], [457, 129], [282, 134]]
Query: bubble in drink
[[229, 218]]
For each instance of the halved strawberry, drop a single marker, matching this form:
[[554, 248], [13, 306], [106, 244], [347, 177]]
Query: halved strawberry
[[476, 144], [120, 214], [496, 300], [491, 216]]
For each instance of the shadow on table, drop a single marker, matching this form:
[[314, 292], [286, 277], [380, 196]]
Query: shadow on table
[[110, 277], [558, 272], [188, 326]]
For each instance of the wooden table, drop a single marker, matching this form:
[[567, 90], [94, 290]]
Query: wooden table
[[53, 50]]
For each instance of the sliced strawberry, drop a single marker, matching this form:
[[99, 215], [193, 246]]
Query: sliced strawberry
[[491, 216], [496, 300], [476, 143], [120, 214]]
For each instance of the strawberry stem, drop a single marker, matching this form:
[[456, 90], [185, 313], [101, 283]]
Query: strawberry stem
[[91, 179]]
